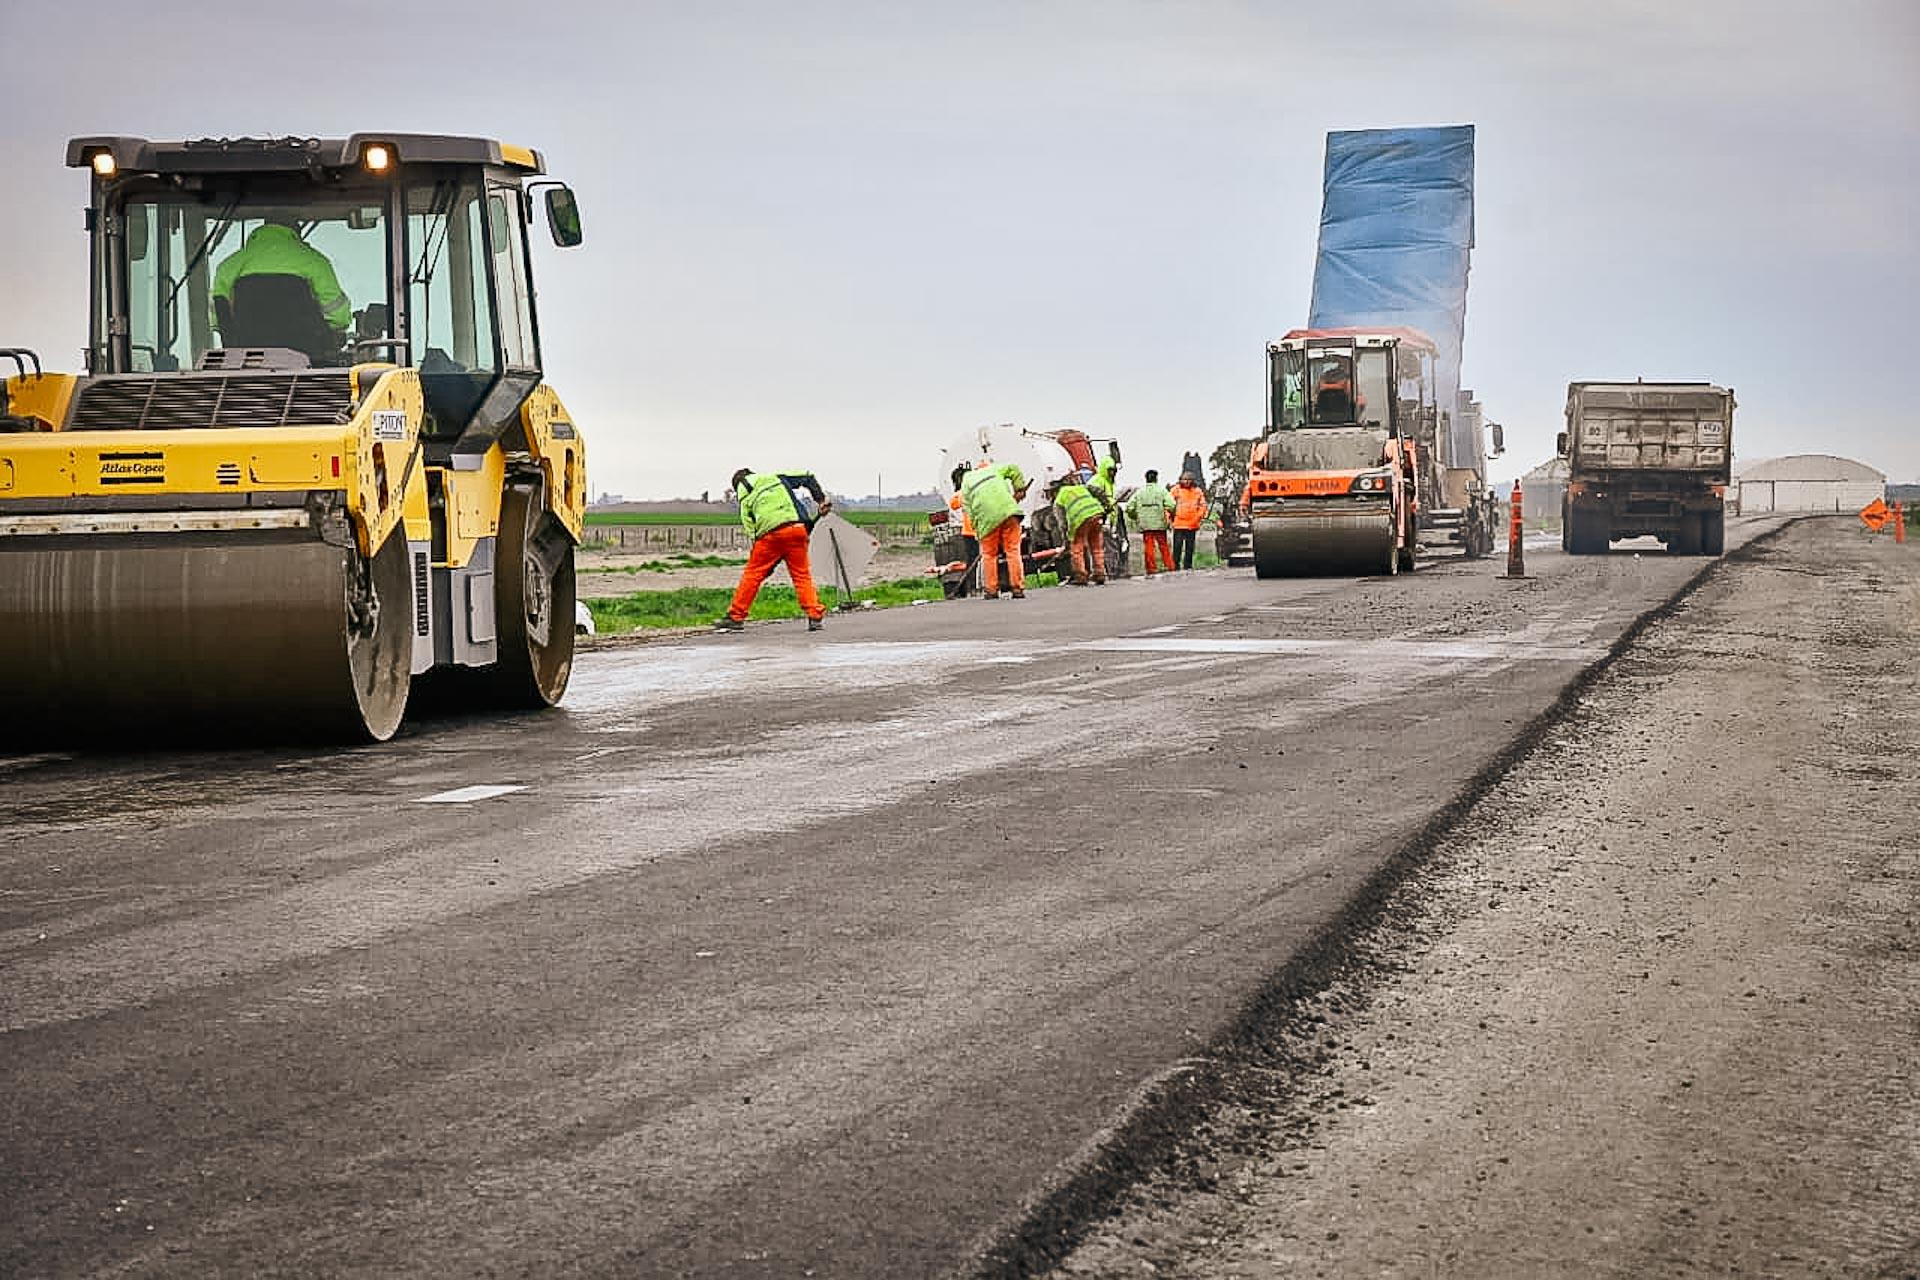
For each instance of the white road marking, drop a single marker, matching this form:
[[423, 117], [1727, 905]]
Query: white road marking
[[466, 795]]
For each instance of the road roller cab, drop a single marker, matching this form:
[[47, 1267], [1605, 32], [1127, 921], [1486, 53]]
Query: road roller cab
[[312, 456], [1333, 484]]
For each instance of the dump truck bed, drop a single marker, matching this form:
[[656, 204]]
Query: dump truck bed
[[1615, 427]]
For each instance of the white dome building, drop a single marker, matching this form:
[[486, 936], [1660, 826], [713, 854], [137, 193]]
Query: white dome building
[[1806, 482]]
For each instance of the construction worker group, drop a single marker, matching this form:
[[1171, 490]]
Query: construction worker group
[[990, 502], [778, 511]]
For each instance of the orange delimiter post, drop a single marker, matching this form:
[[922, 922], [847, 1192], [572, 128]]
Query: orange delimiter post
[[1516, 564]]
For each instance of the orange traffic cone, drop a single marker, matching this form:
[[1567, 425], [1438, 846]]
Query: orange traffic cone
[[1516, 561]]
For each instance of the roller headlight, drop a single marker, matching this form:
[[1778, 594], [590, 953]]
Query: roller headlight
[[1372, 482]]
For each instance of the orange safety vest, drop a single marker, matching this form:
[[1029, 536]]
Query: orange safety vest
[[966, 521], [1189, 506]]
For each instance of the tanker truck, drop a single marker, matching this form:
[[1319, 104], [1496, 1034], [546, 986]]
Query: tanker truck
[[1046, 458]]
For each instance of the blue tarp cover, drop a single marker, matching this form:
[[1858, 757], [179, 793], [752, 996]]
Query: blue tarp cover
[[1396, 237]]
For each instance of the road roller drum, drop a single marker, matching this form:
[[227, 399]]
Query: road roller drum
[[1316, 543], [207, 638]]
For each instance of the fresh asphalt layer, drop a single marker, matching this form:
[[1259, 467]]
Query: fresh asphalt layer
[[765, 953]]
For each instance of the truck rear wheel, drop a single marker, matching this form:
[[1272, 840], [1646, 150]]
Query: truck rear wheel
[[1587, 532], [1685, 538], [1713, 533]]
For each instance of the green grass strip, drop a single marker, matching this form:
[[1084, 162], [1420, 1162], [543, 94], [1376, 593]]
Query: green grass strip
[[699, 606]]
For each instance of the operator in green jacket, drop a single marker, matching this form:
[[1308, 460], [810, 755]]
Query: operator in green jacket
[[1084, 503], [276, 249], [1151, 508], [992, 498]]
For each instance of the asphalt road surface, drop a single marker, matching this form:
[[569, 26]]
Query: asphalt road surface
[[770, 954]]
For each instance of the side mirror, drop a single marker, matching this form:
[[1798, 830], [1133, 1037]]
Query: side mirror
[[1499, 438], [364, 217], [1560, 444], [1113, 451], [563, 216]]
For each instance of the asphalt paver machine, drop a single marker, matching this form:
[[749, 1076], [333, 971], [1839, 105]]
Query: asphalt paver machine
[[312, 460]]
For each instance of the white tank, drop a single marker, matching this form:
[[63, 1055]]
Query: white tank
[[1038, 455]]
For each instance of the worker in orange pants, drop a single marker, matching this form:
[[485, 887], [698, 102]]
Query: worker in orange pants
[[1084, 504], [992, 498], [1151, 506], [772, 516]]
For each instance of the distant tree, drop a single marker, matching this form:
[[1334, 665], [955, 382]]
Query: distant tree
[[1228, 466]]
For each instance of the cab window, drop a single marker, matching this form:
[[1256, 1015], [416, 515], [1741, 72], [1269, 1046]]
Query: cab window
[[247, 268], [510, 271], [450, 321], [1374, 394], [1289, 409]]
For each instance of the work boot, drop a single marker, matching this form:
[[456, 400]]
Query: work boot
[[1078, 582], [729, 624], [1100, 582], [989, 595], [1018, 594], [816, 624]]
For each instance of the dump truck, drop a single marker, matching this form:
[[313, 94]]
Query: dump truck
[[1646, 458], [312, 460], [1046, 458], [1368, 393]]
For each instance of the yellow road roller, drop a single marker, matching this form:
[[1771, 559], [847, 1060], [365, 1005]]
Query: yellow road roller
[[312, 461]]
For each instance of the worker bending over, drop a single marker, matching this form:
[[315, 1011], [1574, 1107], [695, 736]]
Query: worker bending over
[[1189, 509], [1084, 503], [991, 499], [772, 512], [1150, 507]]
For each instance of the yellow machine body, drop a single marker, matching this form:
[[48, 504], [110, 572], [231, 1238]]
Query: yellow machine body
[[276, 542]]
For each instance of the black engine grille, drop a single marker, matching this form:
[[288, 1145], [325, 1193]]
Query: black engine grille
[[171, 400]]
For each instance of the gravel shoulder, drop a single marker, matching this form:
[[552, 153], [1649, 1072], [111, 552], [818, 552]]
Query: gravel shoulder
[[1650, 1009]]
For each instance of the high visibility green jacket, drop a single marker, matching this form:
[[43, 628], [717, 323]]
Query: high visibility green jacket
[[988, 497], [274, 250], [1151, 506], [766, 504], [1108, 471], [1080, 503]]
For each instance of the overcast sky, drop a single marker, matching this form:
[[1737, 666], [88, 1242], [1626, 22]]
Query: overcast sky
[[837, 235]]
